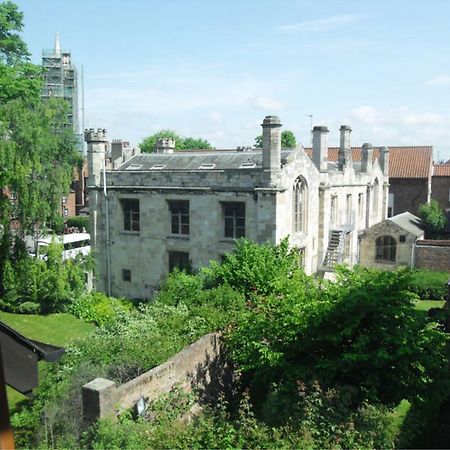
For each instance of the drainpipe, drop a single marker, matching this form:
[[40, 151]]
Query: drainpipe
[[108, 246]]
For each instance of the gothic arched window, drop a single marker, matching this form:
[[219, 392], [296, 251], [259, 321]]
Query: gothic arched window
[[386, 248], [300, 205]]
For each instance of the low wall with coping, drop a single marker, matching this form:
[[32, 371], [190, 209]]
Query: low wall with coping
[[432, 255], [192, 368]]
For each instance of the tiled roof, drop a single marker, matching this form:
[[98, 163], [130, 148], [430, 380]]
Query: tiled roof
[[404, 162], [441, 170]]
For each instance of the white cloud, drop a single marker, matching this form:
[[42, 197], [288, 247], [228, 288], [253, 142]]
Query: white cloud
[[440, 80], [322, 24]]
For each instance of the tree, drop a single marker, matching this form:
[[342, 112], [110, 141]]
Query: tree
[[181, 143], [12, 48], [433, 219], [360, 332], [287, 140], [37, 149]]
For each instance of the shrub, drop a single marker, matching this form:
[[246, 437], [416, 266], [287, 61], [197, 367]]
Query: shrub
[[52, 283], [79, 222], [29, 308], [100, 309], [433, 219], [428, 285]]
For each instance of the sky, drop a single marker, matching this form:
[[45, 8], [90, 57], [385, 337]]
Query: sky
[[215, 69]]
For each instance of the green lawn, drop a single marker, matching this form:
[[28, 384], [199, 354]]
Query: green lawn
[[425, 305], [55, 329]]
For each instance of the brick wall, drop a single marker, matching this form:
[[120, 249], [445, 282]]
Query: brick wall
[[433, 255], [408, 193], [198, 366], [440, 187]]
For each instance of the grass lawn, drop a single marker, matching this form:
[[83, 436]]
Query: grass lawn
[[425, 305], [55, 329]]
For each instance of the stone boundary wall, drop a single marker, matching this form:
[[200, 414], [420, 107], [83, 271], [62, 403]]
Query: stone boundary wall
[[433, 255], [192, 368]]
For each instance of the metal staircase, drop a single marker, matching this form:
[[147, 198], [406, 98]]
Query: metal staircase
[[335, 251]]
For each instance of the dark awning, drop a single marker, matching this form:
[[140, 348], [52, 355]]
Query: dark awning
[[20, 356]]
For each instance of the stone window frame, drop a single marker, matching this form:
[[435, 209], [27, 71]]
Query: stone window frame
[[131, 214], [179, 217], [376, 196], [299, 205], [126, 275], [334, 204], [180, 260], [234, 219], [385, 248]]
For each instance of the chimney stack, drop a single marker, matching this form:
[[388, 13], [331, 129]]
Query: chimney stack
[[320, 148], [165, 145], [366, 158], [384, 160], [345, 150], [271, 144]]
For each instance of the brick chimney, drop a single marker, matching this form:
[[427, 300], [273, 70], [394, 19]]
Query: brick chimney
[[320, 148]]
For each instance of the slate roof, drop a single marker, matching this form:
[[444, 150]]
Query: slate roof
[[404, 162], [441, 170], [202, 160], [408, 222]]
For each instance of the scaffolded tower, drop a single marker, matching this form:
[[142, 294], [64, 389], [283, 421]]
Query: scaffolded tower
[[61, 80]]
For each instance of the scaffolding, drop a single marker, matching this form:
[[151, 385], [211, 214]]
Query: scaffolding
[[61, 80]]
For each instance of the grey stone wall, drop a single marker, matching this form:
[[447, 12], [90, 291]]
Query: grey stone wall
[[198, 366]]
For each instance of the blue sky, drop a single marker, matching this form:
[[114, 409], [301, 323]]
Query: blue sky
[[214, 69]]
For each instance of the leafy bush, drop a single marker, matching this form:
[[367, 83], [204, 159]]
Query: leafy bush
[[428, 285], [361, 331], [433, 219], [123, 348], [324, 422], [255, 269], [100, 309], [52, 283], [29, 308], [79, 222]]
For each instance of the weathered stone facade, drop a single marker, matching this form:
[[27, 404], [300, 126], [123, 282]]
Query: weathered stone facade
[[390, 243], [165, 209]]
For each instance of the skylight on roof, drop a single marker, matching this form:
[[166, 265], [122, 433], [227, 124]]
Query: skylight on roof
[[247, 165], [134, 167], [157, 166], [207, 166]]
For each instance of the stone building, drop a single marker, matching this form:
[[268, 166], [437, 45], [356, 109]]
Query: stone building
[[410, 174], [391, 243], [172, 209]]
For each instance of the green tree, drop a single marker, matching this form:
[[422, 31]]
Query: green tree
[[361, 332], [12, 47], [287, 140], [195, 144], [181, 143], [433, 219], [37, 149]]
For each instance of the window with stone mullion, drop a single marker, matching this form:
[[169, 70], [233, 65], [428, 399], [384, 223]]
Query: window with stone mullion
[[234, 220], [179, 212]]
